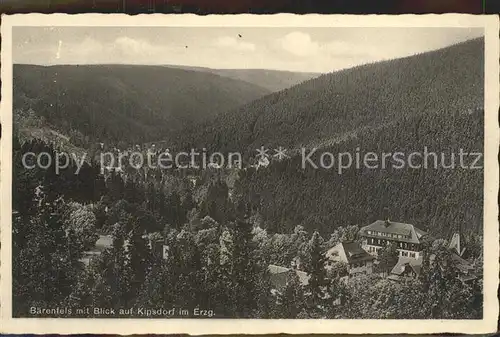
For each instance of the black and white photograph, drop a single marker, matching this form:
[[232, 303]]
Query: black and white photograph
[[335, 170]]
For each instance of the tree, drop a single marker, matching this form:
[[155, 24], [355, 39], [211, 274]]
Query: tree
[[110, 275], [119, 213], [316, 270], [154, 293], [387, 258], [292, 300], [175, 214], [265, 300], [44, 266], [335, 295], [245, 270], [82, 221], [140, 259], [188, 203], [341, 234], [115, 185], [131, 192]]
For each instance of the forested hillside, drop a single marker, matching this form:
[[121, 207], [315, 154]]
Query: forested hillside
[[273, 80], [438, 199], [432, 100], [326, 109], [211, 234], [218, 253], [113, 103]]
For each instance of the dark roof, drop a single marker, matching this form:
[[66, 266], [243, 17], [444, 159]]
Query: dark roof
[[403, 262], [467, 278], [355, 253], [412, 233], [463, 265]]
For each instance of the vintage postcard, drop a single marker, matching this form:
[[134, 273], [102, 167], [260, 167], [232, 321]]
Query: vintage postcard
[[249, 174]]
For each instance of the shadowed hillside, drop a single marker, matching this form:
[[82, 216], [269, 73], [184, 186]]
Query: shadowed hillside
[[432, 100], [324, 110], [273, 80], [126, 103]]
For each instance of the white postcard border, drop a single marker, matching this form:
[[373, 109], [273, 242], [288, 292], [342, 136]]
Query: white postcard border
[[258, 326]]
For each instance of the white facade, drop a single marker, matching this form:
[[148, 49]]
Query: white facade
[[373, 250]]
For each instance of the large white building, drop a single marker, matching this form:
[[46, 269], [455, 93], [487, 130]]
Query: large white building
[[407, 238]]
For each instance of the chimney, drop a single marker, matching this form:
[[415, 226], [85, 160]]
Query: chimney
[[385, 215]]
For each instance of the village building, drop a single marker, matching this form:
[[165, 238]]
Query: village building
[[351, 255], [155, 242], [406, 268], [465, 270], [280, 277], [104, 242], [407, 238]]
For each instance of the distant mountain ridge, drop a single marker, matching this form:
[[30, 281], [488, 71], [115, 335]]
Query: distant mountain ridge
[[325, 109], [126, 103], [273, 80]]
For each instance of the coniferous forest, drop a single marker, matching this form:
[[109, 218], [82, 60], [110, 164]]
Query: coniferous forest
[[208, 242]]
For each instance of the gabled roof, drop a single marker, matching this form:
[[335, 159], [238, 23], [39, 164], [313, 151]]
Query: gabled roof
[[403, 262], [303, 277], [280, 276], [463, 265], [355, 253], [457, 244], [274, 269], [104, 241], [412, 233]]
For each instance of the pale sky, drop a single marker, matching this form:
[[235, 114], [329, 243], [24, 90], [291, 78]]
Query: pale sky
[[295, 49]]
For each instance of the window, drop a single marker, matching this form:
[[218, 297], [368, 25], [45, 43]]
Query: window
[[412, 254]]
